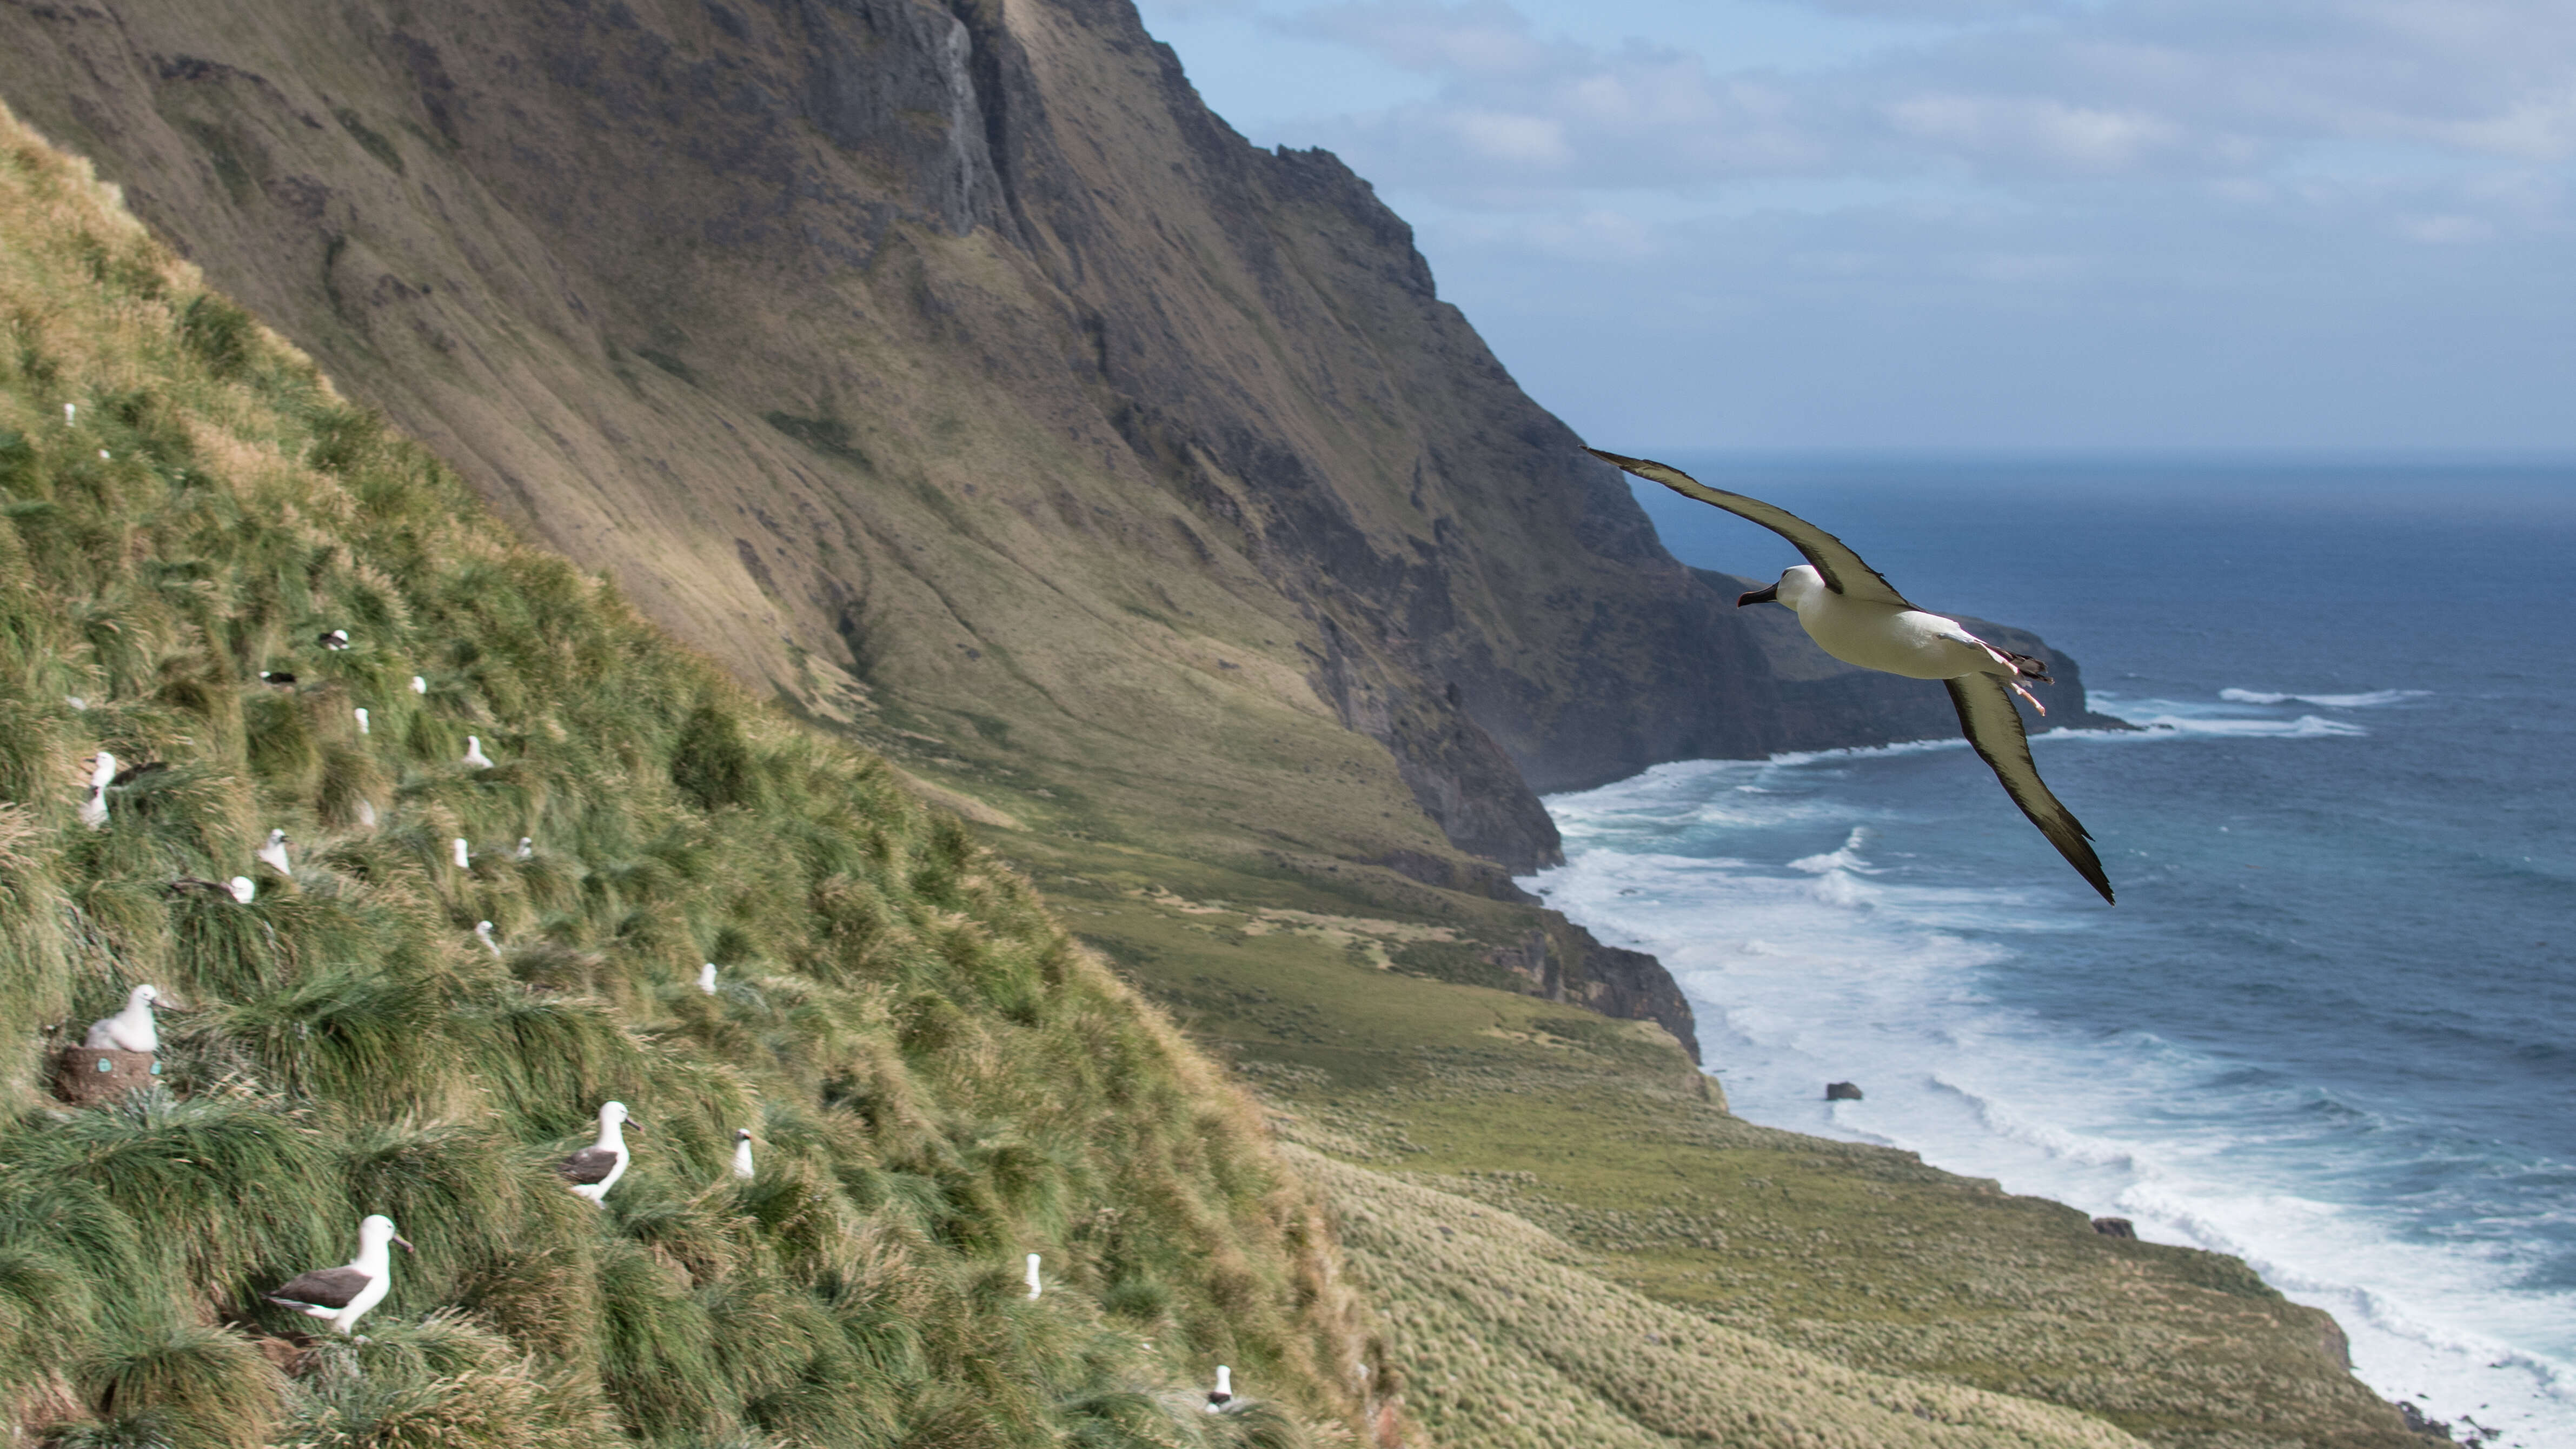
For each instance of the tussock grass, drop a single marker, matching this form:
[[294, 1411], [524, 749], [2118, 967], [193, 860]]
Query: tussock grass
[[938, 1077], [1510, 1341]]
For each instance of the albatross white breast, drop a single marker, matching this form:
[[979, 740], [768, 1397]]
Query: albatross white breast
[[342, 1295], [1859, 618], [93, 806]]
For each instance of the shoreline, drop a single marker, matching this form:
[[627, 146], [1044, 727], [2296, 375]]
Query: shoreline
[[2410, 1361]]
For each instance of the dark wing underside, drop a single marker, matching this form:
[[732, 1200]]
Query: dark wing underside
[[327, 1288], [1844, 573], [1987, 716], [590, 1165]]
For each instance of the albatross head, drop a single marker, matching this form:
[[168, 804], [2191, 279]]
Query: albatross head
[[377, 1229], [1795, 586], [611, 1114], [142, 996]]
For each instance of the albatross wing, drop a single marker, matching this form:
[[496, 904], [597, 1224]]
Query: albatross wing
[[589, 1165], [325, 1288], [1987, 715], [1844, 573]]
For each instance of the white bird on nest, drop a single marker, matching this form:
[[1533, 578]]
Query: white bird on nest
[[527, 848], [244, 889], [483, 933], [419, 685], [707, 978], [1223, 1394], [334, 639], [93, 806], [273, 854], [362, 720], [1031, 1278], [474, 753], [342, 1295], [463, 857], [595, 1169], [742, 1153], [130, 1030], [1859, 618]]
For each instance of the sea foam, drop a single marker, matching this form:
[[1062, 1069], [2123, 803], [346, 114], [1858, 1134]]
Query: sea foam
[[1856, 963]]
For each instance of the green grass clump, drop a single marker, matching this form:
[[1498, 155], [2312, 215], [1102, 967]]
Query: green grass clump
[[939, 1079]]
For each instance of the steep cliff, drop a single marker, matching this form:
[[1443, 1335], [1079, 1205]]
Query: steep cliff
[[954, 372]]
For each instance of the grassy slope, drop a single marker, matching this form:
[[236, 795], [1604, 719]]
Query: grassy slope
[[1598, 1132], [938, 1077]]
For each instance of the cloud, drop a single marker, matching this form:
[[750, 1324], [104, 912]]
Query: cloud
[[1999, 89], [1996, 222]]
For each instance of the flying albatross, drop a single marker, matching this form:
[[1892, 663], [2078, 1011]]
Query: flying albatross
[[342, 1294], [594, 1170], [1859, 618]]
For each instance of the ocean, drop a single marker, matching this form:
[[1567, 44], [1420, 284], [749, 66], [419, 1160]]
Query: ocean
[[2331, 1025]]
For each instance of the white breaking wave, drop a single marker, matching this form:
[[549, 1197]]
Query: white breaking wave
[[2305, 727], [2370, 700], [2230, 715], [1833, 966]]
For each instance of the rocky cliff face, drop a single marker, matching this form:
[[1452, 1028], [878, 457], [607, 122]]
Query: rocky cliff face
[[955, 374]]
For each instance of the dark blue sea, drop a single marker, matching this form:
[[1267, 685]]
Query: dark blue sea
[[2331, 1025]]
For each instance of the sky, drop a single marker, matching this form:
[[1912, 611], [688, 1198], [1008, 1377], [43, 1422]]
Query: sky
[[2341, 226]]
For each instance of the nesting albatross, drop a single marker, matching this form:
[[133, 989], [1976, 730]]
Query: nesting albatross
[[594, 1170], [1859, 618], [342, 1294], [130, 1030]]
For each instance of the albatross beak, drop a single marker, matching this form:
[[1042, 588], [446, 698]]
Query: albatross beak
[[406, 1243], [1770, 595]]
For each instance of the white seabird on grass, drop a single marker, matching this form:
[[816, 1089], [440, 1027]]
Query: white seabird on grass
[[483, 933], [361, 712], [343, 1294], [366, 813], [1859, 618], [419, 685], [93, 806], [527, 848], [333, 639], [130, 1030], [1223, 1393], [707, 978], [742, 1153], [1031, 1278], [273, 854], [594, 1170], [244, 889], [457, 852], [474, 753]]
